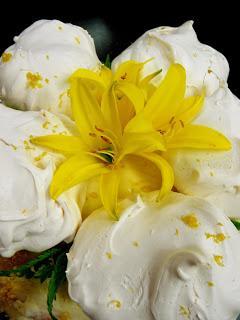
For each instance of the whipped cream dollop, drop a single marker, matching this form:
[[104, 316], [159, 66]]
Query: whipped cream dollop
[[176, 260], [205, 66], [34, 71], [213, 174], [29, 219]]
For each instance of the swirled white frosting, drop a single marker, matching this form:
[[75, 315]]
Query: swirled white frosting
[[34, 71], [215, 175], [29, 219], [205, 66], [178, 260]]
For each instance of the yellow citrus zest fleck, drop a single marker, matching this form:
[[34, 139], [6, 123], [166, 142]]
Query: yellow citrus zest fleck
[[220, 224], [60, 99], [190, 220], [14, 147], [24, 211], [219, 260], [6, 57], [77, 39], [34, 80], [135, 244], [177, 232], [46, 124], [41, 156], [217, 238], [115, 303], [109, 255], [63, 133], [184, 311], [210, 283], [27, 146]]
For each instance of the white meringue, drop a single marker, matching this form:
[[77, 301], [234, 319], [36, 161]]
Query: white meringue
[[205, 66], [34, 71], [176, 261], [209, 174], [29, 219]]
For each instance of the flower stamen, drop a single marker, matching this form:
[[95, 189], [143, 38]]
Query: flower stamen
[[92, 134], [99, 129], [106, 139], [182, 123]]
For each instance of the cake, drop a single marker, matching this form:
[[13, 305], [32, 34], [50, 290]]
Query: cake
[[119, 188]]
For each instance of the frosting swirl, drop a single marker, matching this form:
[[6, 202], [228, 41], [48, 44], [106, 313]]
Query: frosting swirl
[[29, 219], [213, 175], [205, 66], [173, 261], [34, 71]]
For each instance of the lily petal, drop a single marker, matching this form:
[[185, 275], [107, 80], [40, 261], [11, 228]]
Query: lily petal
[[199, 137], [134, 143], [166, 100], [109, 183], [110, 111], [133, 93], [60, 143], [86, 110], [190, 108], [139, 124], [129, 71], [147, 86], [73, 171], [89, 75], [106, 75], [125, 108], [147, 79], [166, 172]]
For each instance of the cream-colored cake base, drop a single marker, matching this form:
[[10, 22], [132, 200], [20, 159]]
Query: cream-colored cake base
[[24, 299]]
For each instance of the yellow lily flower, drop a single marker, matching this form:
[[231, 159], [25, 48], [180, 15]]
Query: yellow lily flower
[[125, 126]]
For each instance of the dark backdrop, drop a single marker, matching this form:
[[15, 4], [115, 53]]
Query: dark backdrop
[[114, 26]]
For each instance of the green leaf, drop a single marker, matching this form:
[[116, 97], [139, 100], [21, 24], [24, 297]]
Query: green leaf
[[107, 62], [28, 269], [52, 264], [44, 272], [57, 278], [236, 222]]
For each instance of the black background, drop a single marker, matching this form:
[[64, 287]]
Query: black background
[[116, 25]]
